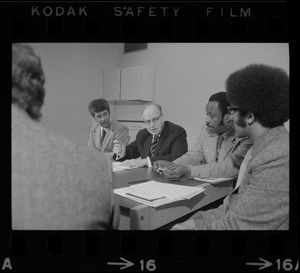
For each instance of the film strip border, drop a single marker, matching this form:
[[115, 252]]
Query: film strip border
[[151, 251], [205, 21]]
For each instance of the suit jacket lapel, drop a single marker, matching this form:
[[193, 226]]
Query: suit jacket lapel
[[159, 145], [109, 134], [96, 136], [163, 136], [209, 148], [228, 145], [147, 145], [106, 139]]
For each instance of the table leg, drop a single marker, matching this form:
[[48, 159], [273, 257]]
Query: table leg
[[138, 218]]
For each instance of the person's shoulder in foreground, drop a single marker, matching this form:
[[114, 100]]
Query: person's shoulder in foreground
[[55, 184]]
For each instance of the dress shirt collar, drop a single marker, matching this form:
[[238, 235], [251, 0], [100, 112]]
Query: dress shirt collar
[[228, 133], [102, 128], [158, 136]]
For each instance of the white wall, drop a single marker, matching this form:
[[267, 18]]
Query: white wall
[[187, 74], [73, 78]]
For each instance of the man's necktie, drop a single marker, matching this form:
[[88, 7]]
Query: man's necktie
[[219, 144], [153, 145], [243, 168], [102, 136]]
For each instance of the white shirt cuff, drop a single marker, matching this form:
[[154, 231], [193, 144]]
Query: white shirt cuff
[[149, 162]]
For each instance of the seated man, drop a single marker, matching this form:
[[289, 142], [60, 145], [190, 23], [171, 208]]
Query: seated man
[[55, 184], [159, 140], [106, 129], [217, 151], [259, 95]]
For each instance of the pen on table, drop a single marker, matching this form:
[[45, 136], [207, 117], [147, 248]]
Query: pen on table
[[137, 182]]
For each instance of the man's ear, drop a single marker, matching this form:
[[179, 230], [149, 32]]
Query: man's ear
[[227, 119], [250, 118]]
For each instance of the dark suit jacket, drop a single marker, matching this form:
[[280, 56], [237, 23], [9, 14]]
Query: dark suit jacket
[[171, 145]]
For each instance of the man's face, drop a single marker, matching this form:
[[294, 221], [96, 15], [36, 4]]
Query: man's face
[[103, 118], [153, 120], [214, 118]]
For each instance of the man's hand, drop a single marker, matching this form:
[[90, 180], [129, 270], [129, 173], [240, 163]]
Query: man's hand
[[175, 171], [159, 165], [119, 149]]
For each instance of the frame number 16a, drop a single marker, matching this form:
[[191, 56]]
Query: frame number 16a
[[287, 265]]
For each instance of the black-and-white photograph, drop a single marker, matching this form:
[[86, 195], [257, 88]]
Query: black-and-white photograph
[[151, 136]]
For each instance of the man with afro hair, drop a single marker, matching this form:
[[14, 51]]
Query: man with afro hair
[[259, 106]]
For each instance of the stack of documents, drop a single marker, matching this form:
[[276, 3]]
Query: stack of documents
[[156, 194]]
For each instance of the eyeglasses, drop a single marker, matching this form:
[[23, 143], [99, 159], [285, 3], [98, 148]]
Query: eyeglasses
[[231, 109], [154, 120]]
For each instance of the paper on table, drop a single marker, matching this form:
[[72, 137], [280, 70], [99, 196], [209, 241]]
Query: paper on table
[[117, 166], [149, 196], [155, 194], [213, 180]]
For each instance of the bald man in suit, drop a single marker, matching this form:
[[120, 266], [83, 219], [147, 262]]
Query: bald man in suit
[[160, 140]]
